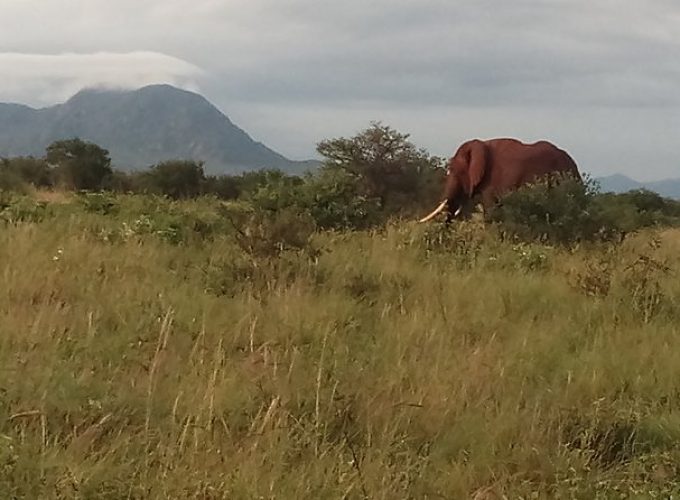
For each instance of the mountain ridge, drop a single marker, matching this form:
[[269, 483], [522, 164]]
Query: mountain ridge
[[619, 183], [140, 128], [160, 122]]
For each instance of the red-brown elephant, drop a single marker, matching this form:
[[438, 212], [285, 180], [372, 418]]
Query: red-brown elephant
[[489, 169]]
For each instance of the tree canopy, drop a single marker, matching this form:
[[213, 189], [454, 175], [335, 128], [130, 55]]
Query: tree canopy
[[387, 166], [79, 164]]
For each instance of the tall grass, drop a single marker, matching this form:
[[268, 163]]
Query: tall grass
[[410, 362]]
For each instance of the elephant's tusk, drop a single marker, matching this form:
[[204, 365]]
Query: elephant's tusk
[[436, 211]]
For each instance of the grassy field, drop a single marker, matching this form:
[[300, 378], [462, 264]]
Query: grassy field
[[149, 350]]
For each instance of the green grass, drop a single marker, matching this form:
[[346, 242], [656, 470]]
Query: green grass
[[159, 359]]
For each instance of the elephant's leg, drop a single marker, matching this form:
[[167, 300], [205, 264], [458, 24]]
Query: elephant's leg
[[450, 215], [454, 211], [488, 201]]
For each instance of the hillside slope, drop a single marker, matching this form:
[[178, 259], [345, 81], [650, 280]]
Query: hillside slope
[[140, 128]]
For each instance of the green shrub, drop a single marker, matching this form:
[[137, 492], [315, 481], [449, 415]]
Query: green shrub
[[649, 202], [175, 179], [250, 182], [22, 209], [331, 196], [10, 181], [462, 243], [264, 234], [122, 182], [558, 210], [227, 276], [530, 258], [278, 191], [99, 203], [225, 187], [637, 209], [28, 170], [567, 211]]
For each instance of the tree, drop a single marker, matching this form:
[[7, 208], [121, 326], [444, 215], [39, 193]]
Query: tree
[[388, 166], [79, 164], [175, 178]]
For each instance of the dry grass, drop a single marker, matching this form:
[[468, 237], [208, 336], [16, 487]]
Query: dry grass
[[377, 369], [52, 196]]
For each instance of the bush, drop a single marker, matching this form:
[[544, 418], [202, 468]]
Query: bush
[[15, 209], [277, 191], [98, 203], [464, 242], [331, 198], [122, 182], [261, 234], [176, 179], [557, 210], [636, 209], [28, 170], [225, 187], [10, 181], [249, 182]]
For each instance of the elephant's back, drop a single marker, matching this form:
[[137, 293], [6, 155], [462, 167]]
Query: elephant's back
[[541, 152], [514, 163]]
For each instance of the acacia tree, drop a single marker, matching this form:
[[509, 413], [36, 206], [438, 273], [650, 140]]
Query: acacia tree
[[387, 167], [79, 164]]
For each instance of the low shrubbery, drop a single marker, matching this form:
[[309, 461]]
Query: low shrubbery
[[364, 182], [570, 211], [15, 209], [10, 181]]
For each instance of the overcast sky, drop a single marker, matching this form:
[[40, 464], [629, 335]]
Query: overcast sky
[[601, 78]]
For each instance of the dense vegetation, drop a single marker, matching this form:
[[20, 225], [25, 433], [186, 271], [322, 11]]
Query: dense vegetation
[[364, 182], [298, 339]]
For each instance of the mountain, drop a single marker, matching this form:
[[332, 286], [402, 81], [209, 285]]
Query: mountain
[[618, 183], [140, 128]]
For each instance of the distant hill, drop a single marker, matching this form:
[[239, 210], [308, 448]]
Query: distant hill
[[618, 183], [140, 128]]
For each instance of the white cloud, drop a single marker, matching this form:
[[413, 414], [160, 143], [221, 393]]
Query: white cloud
[[42, 79]]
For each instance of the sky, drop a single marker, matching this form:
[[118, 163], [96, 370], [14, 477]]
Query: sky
[[599, 78]]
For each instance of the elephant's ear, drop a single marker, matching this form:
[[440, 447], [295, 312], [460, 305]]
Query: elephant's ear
[[477, 163]]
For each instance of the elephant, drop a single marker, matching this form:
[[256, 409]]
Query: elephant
[[491, 168]]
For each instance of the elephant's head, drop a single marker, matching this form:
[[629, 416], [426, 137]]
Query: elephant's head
[[464, 172]]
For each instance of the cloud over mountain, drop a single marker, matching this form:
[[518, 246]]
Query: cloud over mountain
[[41, 79]]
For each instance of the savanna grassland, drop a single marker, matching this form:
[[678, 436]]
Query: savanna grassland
[[159, 349]]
